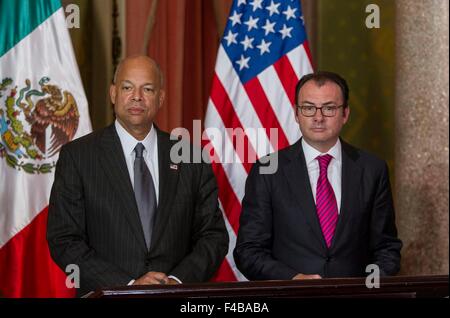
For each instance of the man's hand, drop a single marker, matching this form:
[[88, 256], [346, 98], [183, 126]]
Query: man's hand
[[303, 276], [152, 278], [173, 281]]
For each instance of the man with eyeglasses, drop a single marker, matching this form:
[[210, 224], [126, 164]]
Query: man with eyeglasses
[[328, 210]]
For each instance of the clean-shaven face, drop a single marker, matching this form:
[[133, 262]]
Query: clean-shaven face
[[319, 131], [137, 94]]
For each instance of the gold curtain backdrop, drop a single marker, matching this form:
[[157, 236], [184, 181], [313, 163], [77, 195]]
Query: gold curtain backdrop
[[184, 40]]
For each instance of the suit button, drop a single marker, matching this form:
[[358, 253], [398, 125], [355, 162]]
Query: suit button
[[328, 259]]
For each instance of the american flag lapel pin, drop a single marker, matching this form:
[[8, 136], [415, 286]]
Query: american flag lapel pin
[[173, 166]]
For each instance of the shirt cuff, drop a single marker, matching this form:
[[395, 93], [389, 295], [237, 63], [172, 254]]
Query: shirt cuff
[[173, 277], [131, 282]]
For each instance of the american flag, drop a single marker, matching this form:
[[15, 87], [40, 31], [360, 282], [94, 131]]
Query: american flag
[[262, 55]]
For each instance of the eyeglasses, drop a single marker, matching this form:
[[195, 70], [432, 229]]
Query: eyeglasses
[[311, 110]]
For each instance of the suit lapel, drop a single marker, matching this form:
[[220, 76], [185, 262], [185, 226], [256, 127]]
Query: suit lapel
[[168, 180], [114, 164], [351, 178], [297, 176]]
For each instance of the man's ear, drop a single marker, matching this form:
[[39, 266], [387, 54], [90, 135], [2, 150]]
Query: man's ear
[[162, 96], [346, 114], [112, 93], [296, 111]]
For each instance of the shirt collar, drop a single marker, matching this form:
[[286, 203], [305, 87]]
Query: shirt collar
[[129, 142], [312, 153]]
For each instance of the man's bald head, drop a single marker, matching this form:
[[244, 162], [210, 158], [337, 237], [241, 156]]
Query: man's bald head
[[145, 60], [137, 94]]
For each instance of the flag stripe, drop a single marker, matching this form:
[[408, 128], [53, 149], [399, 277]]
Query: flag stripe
[[235, 173], [228, 115], [265, 112], [227, 196], [231, 204], [18, 18], [271, 83], [300, 61], [241, 103], [229, 257], [308, 53], [287, 76], [26, 256]]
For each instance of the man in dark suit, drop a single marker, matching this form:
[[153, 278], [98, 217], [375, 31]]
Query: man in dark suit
[[120, 208], [327, 211]]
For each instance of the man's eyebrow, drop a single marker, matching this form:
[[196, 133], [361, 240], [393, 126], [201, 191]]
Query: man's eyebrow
[[326, 103], [129, 82]]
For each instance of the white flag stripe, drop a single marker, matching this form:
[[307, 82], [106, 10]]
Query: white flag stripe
[[211, 122], [280, 103], [60, 53], [231, 246], [300, 61], [235, 172], [241, 102], [20, 207], [29, 201]]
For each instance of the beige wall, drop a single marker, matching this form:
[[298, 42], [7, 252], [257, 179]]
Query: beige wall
[[422, 134]]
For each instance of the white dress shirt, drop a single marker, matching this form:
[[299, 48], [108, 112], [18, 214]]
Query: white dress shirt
[[334, 172], [150, 155]]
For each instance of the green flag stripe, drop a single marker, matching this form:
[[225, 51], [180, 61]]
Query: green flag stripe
[[18, 18]]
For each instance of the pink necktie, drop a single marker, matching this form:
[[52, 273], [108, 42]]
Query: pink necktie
[[326, 205]]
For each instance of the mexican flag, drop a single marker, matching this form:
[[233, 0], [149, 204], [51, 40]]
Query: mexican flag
[[42, 107]]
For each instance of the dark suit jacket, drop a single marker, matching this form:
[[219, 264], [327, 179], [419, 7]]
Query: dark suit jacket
[[94, 222], [280, 234]]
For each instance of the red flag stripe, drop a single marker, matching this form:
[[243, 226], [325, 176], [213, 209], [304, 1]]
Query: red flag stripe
[[226, 111], [225, 273], [229, 257], [287, 77], [241, 103], [227, 195], [308, 53], [299, 60], [26, 267], [235, 173], [282, 106], [265, 112]]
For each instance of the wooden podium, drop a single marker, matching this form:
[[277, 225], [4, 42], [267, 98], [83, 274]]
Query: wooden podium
[[390, 287]]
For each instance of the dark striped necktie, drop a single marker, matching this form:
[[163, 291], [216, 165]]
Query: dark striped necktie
[[144, 191]]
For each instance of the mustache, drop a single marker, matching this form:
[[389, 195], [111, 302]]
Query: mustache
[[135, 104]]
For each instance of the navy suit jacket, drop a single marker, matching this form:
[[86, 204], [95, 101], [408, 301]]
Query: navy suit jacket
[[280, 234]]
